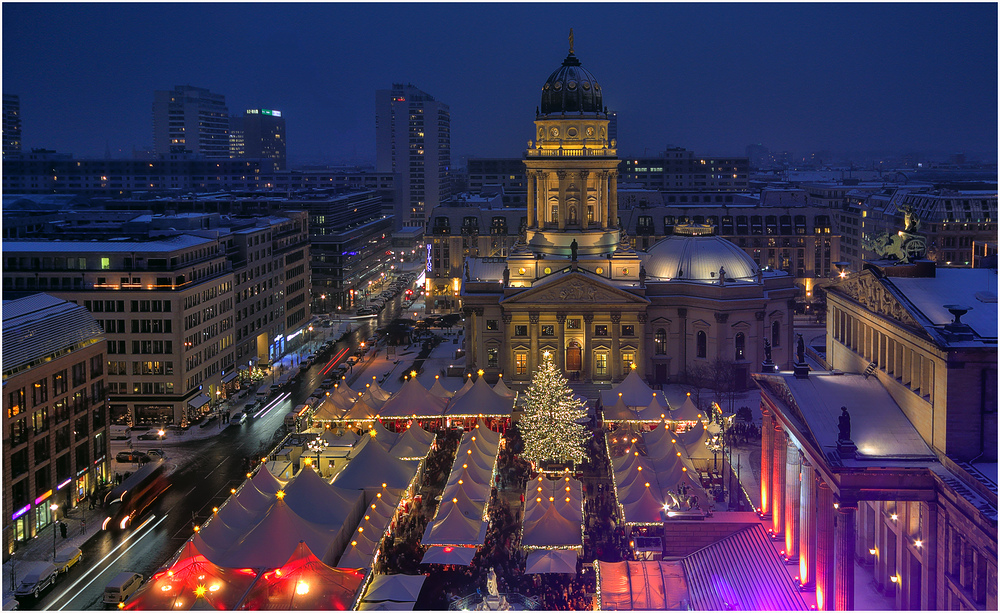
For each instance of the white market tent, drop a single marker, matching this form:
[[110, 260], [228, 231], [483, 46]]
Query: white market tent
[[480, 400], [619, 412], [448, 554], [412, 400], [687, 412], [696, 442], [312, 498], [454, 528], [371, 466], [439, 390], [386, 605], [634, 392], [541, 561], [398, 588], [412, 445], [502, 390], [384, 436], [552, 530]]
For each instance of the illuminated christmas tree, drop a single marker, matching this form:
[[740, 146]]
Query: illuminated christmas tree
[[548, 425]]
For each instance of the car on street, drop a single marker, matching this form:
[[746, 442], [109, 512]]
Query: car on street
[[66, 558], [156, 454], [152, 435], [131, 456]]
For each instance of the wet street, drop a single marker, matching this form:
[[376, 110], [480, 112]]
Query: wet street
[[209, 470]]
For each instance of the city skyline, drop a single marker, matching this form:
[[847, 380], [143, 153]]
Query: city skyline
[[713, 78]]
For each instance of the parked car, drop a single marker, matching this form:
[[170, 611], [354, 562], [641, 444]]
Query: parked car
[[66, 558], [131, 456], [156, 454], [35, 579]]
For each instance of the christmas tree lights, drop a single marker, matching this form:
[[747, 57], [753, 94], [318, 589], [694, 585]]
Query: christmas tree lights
[[548, 425]]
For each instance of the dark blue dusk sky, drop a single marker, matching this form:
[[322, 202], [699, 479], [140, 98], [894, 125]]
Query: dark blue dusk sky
[[708, 77]]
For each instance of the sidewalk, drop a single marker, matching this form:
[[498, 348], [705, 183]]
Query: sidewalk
[[82, 523]]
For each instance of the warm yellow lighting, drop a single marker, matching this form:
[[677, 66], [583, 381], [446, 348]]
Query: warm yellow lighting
[[480, 372], [894, 517], [215, 509], [918, 543], [632, 366], [280, 495], [873, 551], [302, 588], [197, 528], [894, 578], [215, 587], [413, 373], [199, 591]]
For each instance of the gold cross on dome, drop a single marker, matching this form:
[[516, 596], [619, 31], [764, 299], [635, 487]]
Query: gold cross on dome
[[571, 41]]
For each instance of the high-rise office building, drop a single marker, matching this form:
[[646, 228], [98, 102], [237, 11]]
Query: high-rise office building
[[11, 124], [190, 119], [259, 134], [413, 139]]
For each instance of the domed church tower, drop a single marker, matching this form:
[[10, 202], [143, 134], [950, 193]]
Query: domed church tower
[[572, 168]]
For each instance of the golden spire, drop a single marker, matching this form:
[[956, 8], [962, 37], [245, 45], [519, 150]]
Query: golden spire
[[571, 41]]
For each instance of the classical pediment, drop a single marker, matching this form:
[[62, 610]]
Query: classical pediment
[[574, 288], [868, 291]]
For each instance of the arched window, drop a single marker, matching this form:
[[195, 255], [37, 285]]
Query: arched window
[[741, 346], [702, 344], [660, 338], [776, 334]]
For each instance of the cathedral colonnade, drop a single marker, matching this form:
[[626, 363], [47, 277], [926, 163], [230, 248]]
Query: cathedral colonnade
[[826, 531]]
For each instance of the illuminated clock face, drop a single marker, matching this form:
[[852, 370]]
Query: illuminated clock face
[[554, 131]]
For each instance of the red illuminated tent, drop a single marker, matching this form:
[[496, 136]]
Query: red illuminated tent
[[192, 582], [304, 583]]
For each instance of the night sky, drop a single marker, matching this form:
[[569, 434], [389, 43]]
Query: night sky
[[708, 77]]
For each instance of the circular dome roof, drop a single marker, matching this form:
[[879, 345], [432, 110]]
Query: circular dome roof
[[571, 89], [698, 258]]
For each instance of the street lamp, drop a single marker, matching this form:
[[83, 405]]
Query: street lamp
[[318, 445], [53, 507]]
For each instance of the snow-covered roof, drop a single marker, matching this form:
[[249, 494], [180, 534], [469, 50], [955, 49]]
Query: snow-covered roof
[[971, 287]]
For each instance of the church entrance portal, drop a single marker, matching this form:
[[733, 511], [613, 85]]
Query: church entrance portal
[[574, 357]]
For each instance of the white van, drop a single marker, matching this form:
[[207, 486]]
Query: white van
[[121, 587], [35, 579]]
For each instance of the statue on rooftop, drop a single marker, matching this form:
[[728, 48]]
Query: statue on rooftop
[[467, 271], [722, 275], [573, 248], [767, 351], [800, 350], [642, 276], [845, 425], [506, 277]]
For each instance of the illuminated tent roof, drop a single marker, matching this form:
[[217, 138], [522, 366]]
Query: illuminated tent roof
[[462, 390], [696, 442], [377, 391], [454, 528], [255, 501], [371, 466], [371, 400], [476, 459], [312, 498], [233, 516], [642, 586], [360, 411], [619, 411], [460, 556], [384, 435], [543, 561], [399, 588], [305, 583], [473, 509], [328, 409], [534, 508], [192, 582], [490, 436], [412, 444], [347, 438], [634, 392], [480, 399], [266, 482], [654, 411], [501, 389], [646, 509], [412, 400], [475, 491], [655, 436], [387, 605], [345, 390], [439, 391], [687, 412], [552, 530], [476, 484]]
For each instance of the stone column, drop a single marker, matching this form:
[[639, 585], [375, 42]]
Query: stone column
[[613, 197], [470, 338], [601, 212], [778, 475], [588, 333], [561, 342], [846, 534], [533, 334], [766, 460], [562, 199], [824, 546], [792, 494], [507, 359], [807, 525], [532, 197], [480, 325], [640, 349], [616, 366]]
